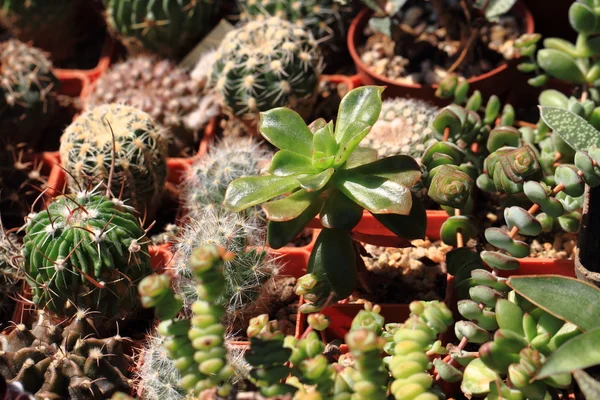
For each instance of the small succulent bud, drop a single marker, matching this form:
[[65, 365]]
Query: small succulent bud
[[318, 322]]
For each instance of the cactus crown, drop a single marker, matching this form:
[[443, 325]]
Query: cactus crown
[[140, 170], [267, 64]]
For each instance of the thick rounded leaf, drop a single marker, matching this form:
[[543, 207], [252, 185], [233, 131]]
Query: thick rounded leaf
[[466, 225], [523, 220], [553, 98], [567, 175], [378, 195], [289, 207], [411, 226], [578, 300], [401, 169], [582, 18], [503, 136], [353, 135], [492, 109], [362, 104], [573, 129], [500, 261], [280, 234], [578, 353], [560, 65], [286, 130], [339, 212], [315, 182], [285, 163], [509, 316], [447, 372], [501, 239], [252, 190]]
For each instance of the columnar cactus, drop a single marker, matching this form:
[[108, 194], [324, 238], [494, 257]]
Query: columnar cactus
[[139, 163], [169, 28], [53, 362], [264, 65], [27, 92], [163, 90], [85, 251]]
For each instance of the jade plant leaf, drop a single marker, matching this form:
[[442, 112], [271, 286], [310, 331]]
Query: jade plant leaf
[[401, 169], [411, 226], [252, 190], [362, 104], [339, 212], [573, 129], [286, 162], [578, 353], [289, 207], [578, 300], [560, 65], [582, 18], [286, 130], [378, 195], [281, 233]]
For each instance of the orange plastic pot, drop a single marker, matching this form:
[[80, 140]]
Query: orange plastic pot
[[542, 266], [94, 73], [493, 82]]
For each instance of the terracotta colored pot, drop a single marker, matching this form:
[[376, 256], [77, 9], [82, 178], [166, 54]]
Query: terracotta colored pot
[[493, 82], [98, 70]]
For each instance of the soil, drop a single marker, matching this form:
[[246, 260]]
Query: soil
[[303, 239], [423, 53]]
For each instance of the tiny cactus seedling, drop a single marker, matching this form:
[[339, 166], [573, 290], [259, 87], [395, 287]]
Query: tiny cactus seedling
[[121, 146], [168, 28], [264, 65], [86, 251], [28, 91]]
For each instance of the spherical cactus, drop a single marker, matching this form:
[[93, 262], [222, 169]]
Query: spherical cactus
[[230, 159], [163, 90], [139, 170], [27, 93], [86, 251], [267, 64], [403, 127], [169, 28]]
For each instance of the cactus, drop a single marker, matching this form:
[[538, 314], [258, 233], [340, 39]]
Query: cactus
[[139, 174], [53, 362], [163, 90], [249, 275], [327, 20], [264, 65], [10, 274], [169, 28], [85, 251], [27, 93], [226, 161], [403, 127]]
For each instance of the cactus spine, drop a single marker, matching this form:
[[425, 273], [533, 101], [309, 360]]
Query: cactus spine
[[267, 64], [85, 251], [169, 28], [86, 150], [10, 273], [27, 93]]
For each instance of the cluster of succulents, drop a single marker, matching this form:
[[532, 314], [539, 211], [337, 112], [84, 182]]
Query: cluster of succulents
[[264, 65], [122, 148], [85, 251], [51, 360], [164, 91]]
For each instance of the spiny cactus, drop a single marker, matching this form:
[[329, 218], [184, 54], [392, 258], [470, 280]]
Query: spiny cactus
[[327, 20], [163, 90], [27, 93], [226, 161], [264, 65], [53, 362], [169, 28], [249, 285], [10, 274], [403, 127], [85, 251], [86, 151]]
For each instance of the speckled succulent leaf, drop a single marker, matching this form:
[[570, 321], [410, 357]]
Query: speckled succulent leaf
[[376, 194], [362, 104], [252, 190], [573, 129], [289, 207]]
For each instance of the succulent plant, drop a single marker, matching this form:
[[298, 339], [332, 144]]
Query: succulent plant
[[85, 251], [163, 90], [266, 64], [168, 28], [227, 160], [327, 20], [10, 274], [28, 91], [134, 167], [51, 361]]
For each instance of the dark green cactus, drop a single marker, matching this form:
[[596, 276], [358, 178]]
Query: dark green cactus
[[86, 251], [169, 28], [139, 168], [28, 91], [264, 65]]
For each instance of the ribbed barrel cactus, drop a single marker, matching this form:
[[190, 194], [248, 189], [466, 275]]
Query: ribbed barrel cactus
[[85, 251], [27, 92], [267, 64], [139, 162], [169, 28]]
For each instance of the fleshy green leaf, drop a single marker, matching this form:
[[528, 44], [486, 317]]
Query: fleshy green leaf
[[578, 300], [401, 169], [573, 129], [315, 182], [378, 195], [578, 353], [289, 207], [285, 163], [560, 65], [286, 130], [362, 104], [411, 226], [360, 156], [339, 212], [281, 233], [252, 190], [352, 137], [477, 378], [324, 142]]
